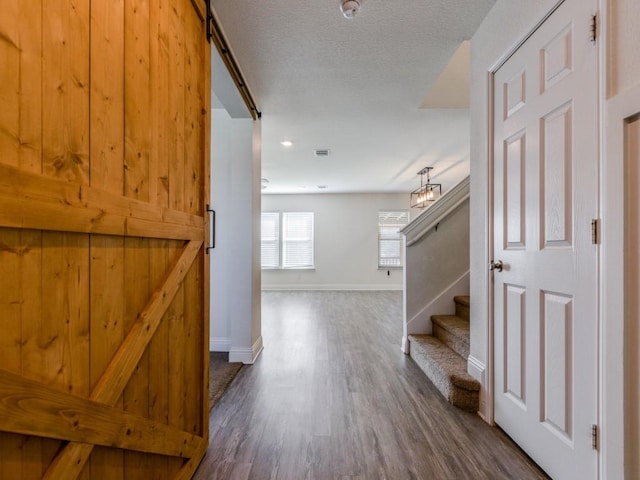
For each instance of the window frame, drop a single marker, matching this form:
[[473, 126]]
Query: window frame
[[284, 242], [278, 241], [400, 225]]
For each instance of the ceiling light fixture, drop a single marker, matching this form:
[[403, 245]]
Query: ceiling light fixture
[[428, 192], [350, 8], [286, 143]]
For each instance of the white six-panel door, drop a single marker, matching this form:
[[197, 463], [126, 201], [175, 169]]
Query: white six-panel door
[[545, 196]]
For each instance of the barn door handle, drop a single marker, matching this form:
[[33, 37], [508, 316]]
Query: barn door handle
[[212, 240]]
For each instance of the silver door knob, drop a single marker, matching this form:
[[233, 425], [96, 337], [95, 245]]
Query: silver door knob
[[497, 265]]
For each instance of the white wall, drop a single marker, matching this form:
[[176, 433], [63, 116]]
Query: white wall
[[346, 242], [436, 262], [623, 61], [235, 187]]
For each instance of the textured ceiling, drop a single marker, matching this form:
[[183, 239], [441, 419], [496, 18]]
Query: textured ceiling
[[355, 87]]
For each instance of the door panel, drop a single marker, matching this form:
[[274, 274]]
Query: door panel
[[103, 180], [545, 195]]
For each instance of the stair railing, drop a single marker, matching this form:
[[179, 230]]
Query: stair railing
[[428, 286]]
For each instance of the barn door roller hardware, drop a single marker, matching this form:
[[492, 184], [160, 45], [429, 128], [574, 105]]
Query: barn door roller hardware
[[212, 240], [214, 33], [209, 21]]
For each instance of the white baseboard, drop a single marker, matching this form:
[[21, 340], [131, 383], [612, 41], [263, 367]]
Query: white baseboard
[[335, 286], [219, 344], [477, 370], [404, 346], [248, 356], [443, 304]]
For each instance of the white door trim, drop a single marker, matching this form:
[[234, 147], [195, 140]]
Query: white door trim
[[616, 111]]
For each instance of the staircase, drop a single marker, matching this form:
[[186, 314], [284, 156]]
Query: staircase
[[443, 356]]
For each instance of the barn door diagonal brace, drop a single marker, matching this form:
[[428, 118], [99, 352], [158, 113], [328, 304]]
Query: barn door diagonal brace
[[68, 464], [29, 407]]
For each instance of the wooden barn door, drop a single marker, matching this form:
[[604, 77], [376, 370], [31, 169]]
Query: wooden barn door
[[104, 161]]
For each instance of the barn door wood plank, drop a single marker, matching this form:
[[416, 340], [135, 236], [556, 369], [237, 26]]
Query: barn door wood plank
[[65, 87], [10, 80], [160, 254], [107, 96], [31, 307], [159, 262], [136, 392], [20, 75], [20, 301], [197, 83], [176, 105], [20, 146], [161, 93], [61, 354], [110, 387], [107, 327], [193, 353], [137, 142], [31, 408], [25, 20], [107, 173], [194, 113], [10, 337]]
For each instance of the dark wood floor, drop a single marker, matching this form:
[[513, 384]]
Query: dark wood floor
[[333, 397]]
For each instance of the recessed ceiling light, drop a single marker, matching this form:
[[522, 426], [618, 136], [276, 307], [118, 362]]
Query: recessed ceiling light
[[286, 143]]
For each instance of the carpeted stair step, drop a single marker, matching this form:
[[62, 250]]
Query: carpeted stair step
[[463, 304], [453, 331], [447, 370]]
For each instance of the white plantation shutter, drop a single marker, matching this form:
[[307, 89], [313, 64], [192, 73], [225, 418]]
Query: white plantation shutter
[[389, 237], [270, 240], [297, 240]]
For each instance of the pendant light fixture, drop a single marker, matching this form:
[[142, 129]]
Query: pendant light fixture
[[427, 193]]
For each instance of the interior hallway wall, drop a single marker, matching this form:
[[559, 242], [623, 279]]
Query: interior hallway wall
[[235, 262], [346, 242]]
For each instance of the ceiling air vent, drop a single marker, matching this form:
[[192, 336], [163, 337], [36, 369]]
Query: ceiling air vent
[[322, 152]]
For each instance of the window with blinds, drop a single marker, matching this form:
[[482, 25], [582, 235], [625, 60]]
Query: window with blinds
[[270, 240], [297, 240], [287, 240], [390, 239]]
